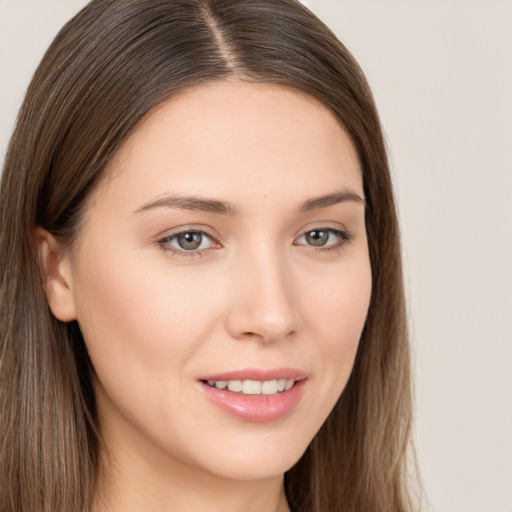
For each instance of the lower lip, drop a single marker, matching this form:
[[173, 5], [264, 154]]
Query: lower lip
[[256, 408]]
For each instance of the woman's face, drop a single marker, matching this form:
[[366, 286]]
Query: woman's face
[[227, 244]]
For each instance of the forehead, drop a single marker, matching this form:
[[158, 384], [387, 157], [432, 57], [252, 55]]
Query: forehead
[[236, 141]]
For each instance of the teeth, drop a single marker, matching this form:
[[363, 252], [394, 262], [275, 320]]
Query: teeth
[[251, 387], [269, 387], [235, 385], [254, 387]]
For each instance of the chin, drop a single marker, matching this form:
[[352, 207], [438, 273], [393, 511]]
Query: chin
[[256, 458], [257, 468]]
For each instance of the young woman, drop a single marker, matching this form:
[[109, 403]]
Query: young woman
[[201, 293]]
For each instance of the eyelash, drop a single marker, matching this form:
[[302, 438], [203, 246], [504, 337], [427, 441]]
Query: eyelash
[[164, 244], [344, 237]]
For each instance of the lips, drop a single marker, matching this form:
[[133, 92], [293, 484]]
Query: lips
[[258, 374], [256, 395]]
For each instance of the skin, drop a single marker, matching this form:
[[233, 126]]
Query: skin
[[255, 294]]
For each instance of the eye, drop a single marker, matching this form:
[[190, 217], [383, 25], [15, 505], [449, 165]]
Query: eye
[[188, 243], [327, 238]]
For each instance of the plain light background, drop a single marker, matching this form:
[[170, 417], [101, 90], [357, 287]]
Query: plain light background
[[441, 71]]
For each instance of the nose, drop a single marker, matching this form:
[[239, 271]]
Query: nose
[[263, 305]]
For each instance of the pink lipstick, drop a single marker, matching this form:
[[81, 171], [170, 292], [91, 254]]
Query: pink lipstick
[[254, 394]]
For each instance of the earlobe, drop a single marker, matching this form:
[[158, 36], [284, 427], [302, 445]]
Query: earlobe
[[57, 276]]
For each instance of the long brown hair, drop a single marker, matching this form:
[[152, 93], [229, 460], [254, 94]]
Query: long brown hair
[[108, 67]]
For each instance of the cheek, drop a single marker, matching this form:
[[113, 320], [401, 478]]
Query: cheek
[[127, 311], [143, 329], [337, 318], [139, 325], [339, 304]]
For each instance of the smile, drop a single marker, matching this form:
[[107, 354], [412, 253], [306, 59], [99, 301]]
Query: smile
[[254, 387], [256, 395]]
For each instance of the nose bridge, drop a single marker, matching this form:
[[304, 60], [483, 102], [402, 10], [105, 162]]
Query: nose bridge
[[264, 305]]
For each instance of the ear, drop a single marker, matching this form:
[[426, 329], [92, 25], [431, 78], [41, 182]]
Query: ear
[[57, 276]]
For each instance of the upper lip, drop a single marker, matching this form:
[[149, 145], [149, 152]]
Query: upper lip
[[261, 374]]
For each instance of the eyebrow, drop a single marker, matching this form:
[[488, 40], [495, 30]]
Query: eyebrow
[[342, 196], [194, 203], [204, 204]]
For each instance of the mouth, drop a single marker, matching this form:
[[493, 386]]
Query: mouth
[[253, 387], [256, 395]]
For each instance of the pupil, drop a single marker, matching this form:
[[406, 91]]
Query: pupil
[[317, 238], [189, 241]]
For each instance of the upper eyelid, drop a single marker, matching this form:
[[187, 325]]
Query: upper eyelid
[[339, 228], [210, 232], [346, 235], [188, 229], [324, 224]]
